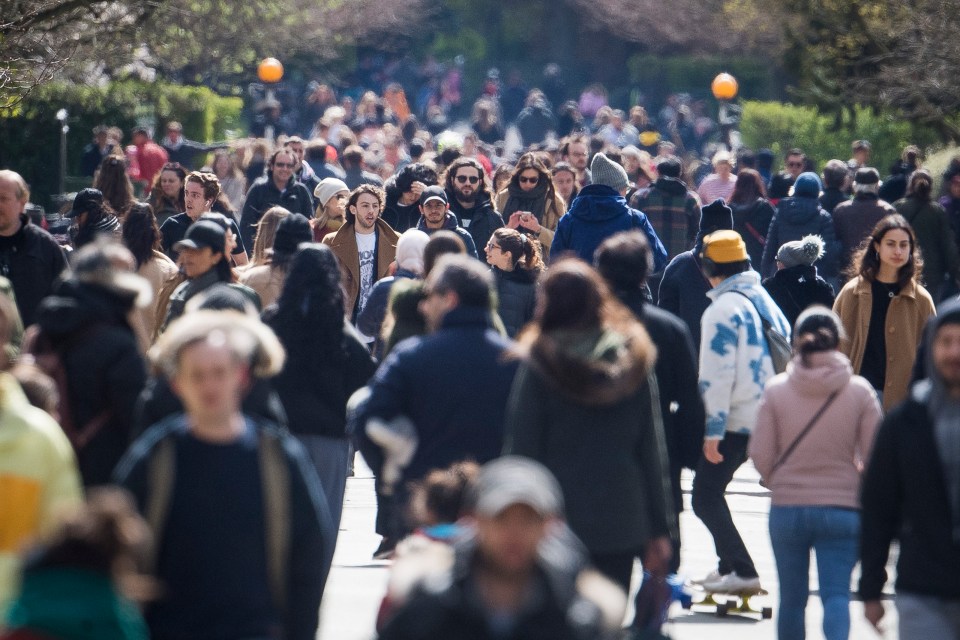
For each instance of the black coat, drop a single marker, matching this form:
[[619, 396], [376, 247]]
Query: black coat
[[795, 219], [683, 291], [796, 288], [680, 403], [481, 221], [262, 195], [315, 390], [33, 261], [905, 497], [105, 372], [517, 297]]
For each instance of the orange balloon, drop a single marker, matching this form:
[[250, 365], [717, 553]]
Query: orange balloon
[[270, 70], [724, 87]]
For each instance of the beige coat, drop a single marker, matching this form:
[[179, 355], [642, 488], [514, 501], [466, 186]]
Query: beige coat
[[157, 271], [906, 319], [266, 281], [552, 213], [344, 245]]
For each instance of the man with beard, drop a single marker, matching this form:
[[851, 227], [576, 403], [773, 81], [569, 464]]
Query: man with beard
[[435, 215], [365, 247], [470, 202]]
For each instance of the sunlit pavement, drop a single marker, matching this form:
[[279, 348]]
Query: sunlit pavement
[[357, 582]]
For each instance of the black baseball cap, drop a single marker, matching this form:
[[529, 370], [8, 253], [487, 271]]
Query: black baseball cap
[[203, 233], [85, 200], [433, 193]]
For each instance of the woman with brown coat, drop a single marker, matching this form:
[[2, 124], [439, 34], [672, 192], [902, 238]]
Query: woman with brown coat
[[884, 309], [529, 203]]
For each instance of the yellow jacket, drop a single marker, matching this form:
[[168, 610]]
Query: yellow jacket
[[38, 478], [906, 319]]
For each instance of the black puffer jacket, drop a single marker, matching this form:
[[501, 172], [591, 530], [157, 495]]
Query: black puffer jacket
[[517, 296], [796, 288], [264, 194], [105, 372], [481, 221]]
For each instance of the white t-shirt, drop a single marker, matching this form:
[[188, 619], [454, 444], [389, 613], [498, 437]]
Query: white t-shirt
[[366, 248]]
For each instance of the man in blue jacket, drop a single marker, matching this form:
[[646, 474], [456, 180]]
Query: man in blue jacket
[[454, 416], [599, 211]]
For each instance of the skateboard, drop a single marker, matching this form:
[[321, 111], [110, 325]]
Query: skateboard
[[730, 603]]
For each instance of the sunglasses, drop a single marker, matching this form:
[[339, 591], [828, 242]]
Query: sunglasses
[[470, 179], [284, 165], [525, 180], [794, 164]]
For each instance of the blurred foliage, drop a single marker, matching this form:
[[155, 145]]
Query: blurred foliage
[[780, 127], [30, 133]]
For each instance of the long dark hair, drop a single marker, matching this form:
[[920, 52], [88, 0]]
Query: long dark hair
[[140, 233], [310, 311], [866, 261], [114, 184], [749, 187], [532, 161], [921, 185]]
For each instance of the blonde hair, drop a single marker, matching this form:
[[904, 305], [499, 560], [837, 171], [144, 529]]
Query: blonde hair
[[266, 232]]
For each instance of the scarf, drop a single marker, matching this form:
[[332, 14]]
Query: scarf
[[534, 201]]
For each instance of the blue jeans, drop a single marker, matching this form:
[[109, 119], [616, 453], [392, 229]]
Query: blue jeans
[[833, 533]]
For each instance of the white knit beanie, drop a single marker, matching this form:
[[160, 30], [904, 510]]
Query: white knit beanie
[[327, 188]]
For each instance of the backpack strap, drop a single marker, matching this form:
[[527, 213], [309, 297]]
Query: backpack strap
[[160, 480], [275, 476]]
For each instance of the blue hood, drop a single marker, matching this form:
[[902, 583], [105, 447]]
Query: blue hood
[[598, 203]]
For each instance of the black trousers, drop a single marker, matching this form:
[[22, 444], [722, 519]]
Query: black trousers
[[710, 505]]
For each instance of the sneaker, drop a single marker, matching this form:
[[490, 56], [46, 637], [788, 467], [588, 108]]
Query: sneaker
[[713, 576], [732, 583]]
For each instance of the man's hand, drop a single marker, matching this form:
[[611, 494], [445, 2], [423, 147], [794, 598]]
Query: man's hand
[[711, 451], [873, 612], [656, 557]]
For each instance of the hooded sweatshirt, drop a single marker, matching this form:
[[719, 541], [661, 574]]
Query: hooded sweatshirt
[[824, 469], [598, 213]]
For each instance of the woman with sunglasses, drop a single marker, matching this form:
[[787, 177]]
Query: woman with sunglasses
[[517, 264], [884, 309], [166, 195], [530, 204]]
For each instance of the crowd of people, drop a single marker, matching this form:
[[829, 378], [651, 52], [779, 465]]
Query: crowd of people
[[527, 351]]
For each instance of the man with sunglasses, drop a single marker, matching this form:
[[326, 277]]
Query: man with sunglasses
[[278, 188], [794, 164], [470, 202]]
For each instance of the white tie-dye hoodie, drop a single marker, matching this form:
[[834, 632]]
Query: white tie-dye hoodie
[[735, 362]]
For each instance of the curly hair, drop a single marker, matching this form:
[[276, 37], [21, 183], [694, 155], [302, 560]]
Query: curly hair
[[866, 261], [309, 318], [375, 191]]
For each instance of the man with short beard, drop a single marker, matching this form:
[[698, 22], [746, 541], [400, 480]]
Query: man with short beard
[[470, 202], [365, 247], [435, 215]]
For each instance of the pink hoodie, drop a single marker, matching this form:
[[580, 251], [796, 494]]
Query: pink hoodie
[[825, 467]]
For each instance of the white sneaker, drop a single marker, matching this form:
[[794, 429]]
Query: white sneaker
[[713, 576], [732, 583]]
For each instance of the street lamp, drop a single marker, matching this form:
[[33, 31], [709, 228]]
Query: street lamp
[[64, 128], [724, 88], [270, 72]]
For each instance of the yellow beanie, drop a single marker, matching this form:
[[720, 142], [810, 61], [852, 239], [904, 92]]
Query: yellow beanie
[[724, 246]]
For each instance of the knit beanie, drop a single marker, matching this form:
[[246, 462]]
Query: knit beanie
[[607, 172], [725, 246], [410, 248], [715, 216], [806, 251], [807, 185], [327, 188], [291, 232]]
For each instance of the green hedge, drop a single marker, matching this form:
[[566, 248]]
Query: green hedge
[[780, 127], [30, 133]]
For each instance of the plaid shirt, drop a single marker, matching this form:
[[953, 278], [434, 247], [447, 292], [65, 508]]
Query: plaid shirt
[[675, 217]]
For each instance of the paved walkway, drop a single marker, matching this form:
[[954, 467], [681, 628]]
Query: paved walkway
[[357, 583]]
